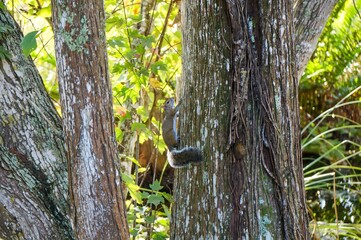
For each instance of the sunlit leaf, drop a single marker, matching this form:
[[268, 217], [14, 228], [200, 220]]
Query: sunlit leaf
[[158, 66], [45, 12], [127, 179], [28, 44]]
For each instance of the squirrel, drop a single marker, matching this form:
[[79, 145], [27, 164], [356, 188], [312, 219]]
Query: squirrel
[[176, 158]]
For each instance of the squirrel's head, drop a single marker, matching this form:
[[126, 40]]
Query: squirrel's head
[[169, 103]]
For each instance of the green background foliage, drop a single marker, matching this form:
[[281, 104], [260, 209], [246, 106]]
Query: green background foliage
[[330, 98]]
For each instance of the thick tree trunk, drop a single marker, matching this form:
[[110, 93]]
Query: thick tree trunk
[[240, 80], [97, 202], [268, 196], [202, 193], [33, 174]]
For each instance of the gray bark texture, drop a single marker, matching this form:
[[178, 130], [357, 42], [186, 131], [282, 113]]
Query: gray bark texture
[[97, 202], [310, 19], [240, 91], [33, 173], [202, 192]]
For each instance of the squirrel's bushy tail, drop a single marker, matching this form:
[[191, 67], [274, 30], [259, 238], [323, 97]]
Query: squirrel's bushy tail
[[185, 156]]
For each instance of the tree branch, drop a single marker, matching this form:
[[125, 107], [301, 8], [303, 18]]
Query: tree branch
[[310, 18]]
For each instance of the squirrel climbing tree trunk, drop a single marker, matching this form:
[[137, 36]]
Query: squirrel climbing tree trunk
[[240, 79]]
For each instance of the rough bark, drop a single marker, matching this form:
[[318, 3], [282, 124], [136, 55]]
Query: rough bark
[[310, 19], [202, 193], [240, 79], [147, 19], [97, 202], [33, 174], [268, 196]]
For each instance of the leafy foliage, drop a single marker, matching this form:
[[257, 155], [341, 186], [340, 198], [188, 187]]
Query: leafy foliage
[[332, 152], [333, 69], [148, 213], [330, 96], [144, 64]]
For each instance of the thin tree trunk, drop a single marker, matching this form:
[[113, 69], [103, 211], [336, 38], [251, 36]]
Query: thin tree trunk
[[97, 202], [33, 174]]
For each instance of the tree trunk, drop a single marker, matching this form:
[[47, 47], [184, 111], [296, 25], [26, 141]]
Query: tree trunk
[[268, 198], [202, 193], [97, 202], [240, 80], [33, 174]]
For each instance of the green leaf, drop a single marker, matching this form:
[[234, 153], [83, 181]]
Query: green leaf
[[138, 126], [45, 12], [167, 196], [135, 161], [166, 210], [127, 179], [118, 68], [28, 44], [118, 135], [117, 42], [133, 188], [136, 195], [134, 232], [155, 199], [149, 219], [147, 41], [114, 22], [140, 49], [158, 66], [145, 194], [143, 113], [159, 236], [130, 54], [155, 186]]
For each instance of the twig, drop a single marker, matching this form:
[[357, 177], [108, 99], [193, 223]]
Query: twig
[[354, 4]]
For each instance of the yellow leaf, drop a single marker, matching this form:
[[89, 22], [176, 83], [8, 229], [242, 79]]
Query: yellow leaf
[[45, 12], [119, 109], [154, 83]]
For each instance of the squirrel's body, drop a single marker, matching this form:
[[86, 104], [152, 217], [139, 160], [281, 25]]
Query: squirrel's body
[[169, 124], [182, 157]]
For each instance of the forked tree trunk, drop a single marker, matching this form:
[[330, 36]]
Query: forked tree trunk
[[240, 86], [97, 202]]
